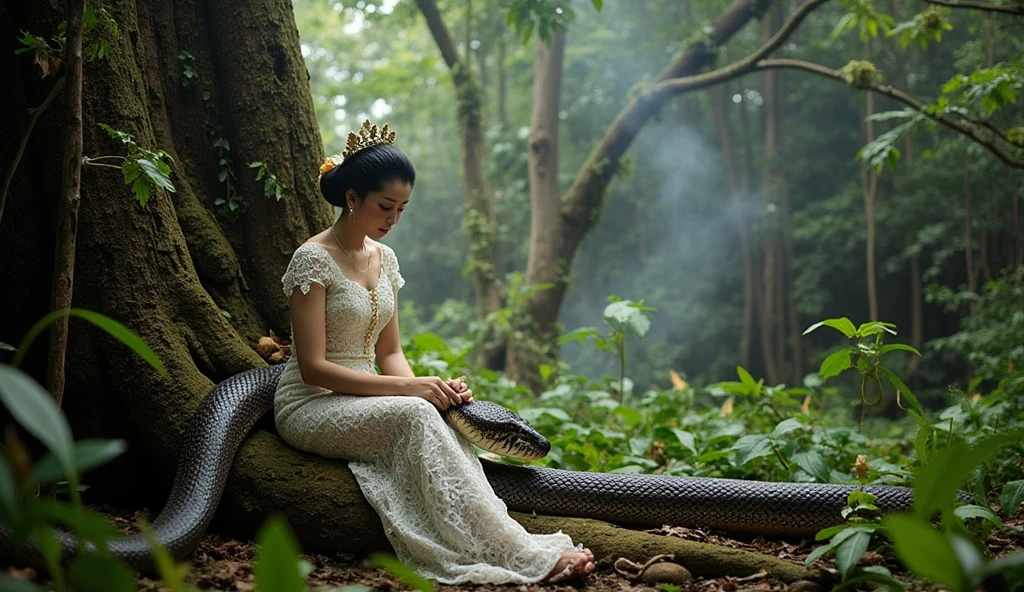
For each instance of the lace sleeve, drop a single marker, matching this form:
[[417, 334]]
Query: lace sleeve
[[309, 264], [393, 271]]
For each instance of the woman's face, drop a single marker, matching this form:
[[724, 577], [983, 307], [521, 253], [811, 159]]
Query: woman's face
[[381, 210]]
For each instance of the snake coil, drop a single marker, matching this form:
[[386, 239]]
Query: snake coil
[[231, 410]]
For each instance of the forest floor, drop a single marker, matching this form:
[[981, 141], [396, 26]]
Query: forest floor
[[225, 564]]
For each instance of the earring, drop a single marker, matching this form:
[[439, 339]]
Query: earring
[[351, 214]]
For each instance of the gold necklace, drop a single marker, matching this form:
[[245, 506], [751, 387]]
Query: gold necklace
[[354, 262]]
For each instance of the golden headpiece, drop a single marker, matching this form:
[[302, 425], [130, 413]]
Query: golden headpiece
[[368, 135]]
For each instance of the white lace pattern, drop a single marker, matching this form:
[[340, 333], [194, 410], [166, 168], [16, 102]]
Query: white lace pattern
[[438, 510]]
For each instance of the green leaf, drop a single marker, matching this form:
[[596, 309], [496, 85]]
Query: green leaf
[[973, 511], [686, 439], [276, 566], [628, 414], [114, 328], [95, 573], [814, 464], [546, 370], [598, 4], [843, 325], [786, 426], [1010, 498], [87, 454], [398, 569], [429, 342], [836, 363], [748, 380], [903, 389], [926, 552], [628, 314], [938, 480], [85, 523], [34, 409], [580, 335], [752, 447], [849, 552], [897, 346], [7, 347]]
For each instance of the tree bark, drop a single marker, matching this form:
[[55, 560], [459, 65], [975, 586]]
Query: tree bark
[[743, 232], [545, 198], [167, 270], [71, 197], [580, 207], [479, 219]]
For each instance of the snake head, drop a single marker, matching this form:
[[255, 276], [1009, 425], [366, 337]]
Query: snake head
[[497, 429]]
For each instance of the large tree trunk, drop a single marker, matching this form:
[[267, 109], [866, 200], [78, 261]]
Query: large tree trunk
[[169, 270], [479, 217], [545, 199], [579, 208]]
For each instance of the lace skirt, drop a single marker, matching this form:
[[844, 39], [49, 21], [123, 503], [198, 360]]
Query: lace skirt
[[440, 514]]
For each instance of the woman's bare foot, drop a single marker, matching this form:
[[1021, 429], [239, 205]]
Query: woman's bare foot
[[570, 566]]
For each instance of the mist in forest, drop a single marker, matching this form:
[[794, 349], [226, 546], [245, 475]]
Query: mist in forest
[[676, 235]]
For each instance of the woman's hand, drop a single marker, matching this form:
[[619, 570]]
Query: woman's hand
[[435, 390], [459, 385]]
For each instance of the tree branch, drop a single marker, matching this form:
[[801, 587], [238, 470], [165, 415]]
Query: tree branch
[[1018, 10], [747, 64], [440, 32], [902, 97]]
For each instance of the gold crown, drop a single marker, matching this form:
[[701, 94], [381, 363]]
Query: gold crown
[[368, 136]]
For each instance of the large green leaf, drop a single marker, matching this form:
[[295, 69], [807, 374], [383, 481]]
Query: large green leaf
[[925, 551], [87, 454], [750, 447], [849, 552], [836, 363], [276, 567], [34, 409], [814, 463], [94, 573], [843, 325], [786, 426], [1011, 496], [114, 328], [938, 481], [628, 314], [389, 563]]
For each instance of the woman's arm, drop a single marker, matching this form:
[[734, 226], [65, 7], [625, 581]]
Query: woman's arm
[[309, 328], [390, 356]]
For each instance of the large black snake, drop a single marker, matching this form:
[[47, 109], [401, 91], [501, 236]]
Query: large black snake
[[233, 407]]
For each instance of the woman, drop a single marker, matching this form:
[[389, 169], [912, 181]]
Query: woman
[[439, 512]]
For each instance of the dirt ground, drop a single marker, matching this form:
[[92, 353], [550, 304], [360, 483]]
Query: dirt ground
[[225, 564]]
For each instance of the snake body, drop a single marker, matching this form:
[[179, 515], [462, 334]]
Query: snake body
[[231, 410]]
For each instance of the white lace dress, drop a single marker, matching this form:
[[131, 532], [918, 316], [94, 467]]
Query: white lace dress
[[439, 512]]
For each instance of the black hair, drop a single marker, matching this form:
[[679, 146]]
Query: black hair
[[365, 171]]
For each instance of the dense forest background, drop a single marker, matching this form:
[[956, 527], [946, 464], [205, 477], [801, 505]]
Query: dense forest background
[[778, 149]]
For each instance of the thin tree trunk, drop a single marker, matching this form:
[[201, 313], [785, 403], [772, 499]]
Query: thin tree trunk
[[545, 198], [735, 194], [468, 51], [13, 167], [1017, 234], [769, 314], [587, 193], [869, 185], [502, 83], [479, 218], [71, 198], [972, 278]]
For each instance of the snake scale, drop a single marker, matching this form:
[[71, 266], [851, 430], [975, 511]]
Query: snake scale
[[231, 410]]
